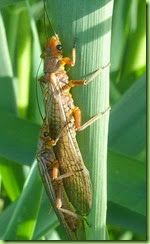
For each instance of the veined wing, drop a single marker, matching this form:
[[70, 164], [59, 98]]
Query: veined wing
[[54, 113], [77, 186]]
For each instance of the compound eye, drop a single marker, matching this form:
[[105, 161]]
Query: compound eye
[[46, 134], [59, 47]]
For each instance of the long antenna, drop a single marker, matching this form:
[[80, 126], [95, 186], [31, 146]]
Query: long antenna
[[46, 34], [46, 14], [37, 97]]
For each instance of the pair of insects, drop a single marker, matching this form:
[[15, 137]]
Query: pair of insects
[[63, 171]]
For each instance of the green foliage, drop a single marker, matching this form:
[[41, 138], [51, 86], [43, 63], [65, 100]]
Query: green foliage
[[24, 205]]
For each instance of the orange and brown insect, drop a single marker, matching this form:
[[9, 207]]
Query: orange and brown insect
[[60, 110]]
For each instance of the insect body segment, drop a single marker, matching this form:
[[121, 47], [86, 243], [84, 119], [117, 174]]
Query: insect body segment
[[54, 69], [49, 168]]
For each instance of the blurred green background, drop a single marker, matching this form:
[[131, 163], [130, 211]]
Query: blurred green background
[[23, 202]]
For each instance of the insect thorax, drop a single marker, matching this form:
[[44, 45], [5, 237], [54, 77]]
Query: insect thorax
[[51, 64]]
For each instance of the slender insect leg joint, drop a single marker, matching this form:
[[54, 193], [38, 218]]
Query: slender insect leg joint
[[75, 83], [86, 82], [66, 211], [74, 53], [59, 197], [75, 215], [61, 177], [55, 171], [93, 119], [71, 61], [66, 175], [95, 74], [59, 204], [77, 117]]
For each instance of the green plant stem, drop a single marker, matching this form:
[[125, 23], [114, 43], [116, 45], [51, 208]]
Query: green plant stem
[[89, 22]]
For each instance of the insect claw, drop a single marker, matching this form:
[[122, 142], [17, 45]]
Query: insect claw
[[107, 65], [108, 109], [75, 42], [89, 225]]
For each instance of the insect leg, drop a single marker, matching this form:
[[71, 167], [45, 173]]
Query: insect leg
[[77, 117], [74, 53], [59, 196], [60, 203], [76, 112], [96, 73], [68, 61], [55, 173], [55, 170], [70, 213], [73, 83], [92, 120]]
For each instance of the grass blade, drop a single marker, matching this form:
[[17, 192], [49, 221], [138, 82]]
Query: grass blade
[[5, 218], [135, 58], [46, 221], [23, 221], [12, 178], [6, 3], [33, 111], [126, 219], [5, 67], [126, 182], [120, 30], [128, 120], [19, 140]]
